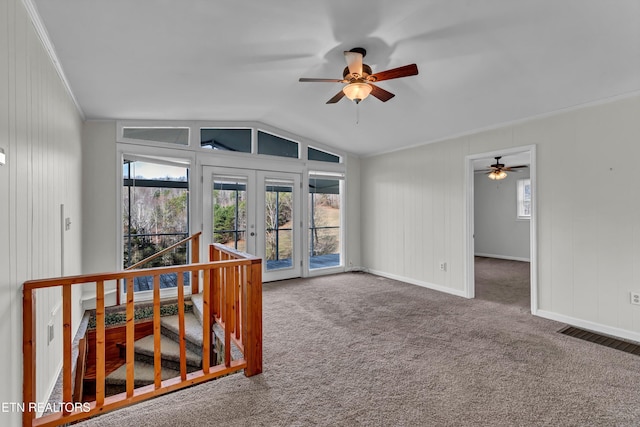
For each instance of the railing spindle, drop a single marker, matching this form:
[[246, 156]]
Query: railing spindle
[[100, 343], [67, 385], [130, 335], [157, 351], [228, 321], [236, 291], [195, 258], [206, 323], [181, 338]]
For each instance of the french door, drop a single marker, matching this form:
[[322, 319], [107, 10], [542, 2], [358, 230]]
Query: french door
[[257, 212]]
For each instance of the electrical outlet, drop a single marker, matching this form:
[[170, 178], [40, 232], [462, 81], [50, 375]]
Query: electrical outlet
[[443, 266], [635, 298]]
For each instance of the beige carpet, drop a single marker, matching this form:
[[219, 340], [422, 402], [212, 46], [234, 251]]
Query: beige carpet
[[355, 349]]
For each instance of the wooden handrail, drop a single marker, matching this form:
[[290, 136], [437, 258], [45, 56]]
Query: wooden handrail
[[164, 251], [232, 280]]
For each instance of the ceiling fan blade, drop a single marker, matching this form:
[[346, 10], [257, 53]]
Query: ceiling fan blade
[[517, 167], [338, 96], [305, 79], [354, 62], [381, 94], [395, 73]]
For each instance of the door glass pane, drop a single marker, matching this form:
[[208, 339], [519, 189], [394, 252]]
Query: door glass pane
[[324, 223], [155, 216], [278, 224], [230, 212]]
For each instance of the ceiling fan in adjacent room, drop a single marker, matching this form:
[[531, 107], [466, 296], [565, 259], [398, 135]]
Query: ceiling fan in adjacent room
[[499, 171], [359, 78]]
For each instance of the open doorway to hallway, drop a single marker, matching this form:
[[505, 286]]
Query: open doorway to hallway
[[501, 227]]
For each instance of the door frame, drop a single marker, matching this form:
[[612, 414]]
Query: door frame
[[469, 258], [254, 214]]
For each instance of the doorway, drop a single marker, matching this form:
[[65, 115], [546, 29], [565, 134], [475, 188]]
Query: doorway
[[476, 231], [257, 212]]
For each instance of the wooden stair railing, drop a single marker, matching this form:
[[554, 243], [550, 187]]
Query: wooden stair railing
[[232, 297], [195, 259]]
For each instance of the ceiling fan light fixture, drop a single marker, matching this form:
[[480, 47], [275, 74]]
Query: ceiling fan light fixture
[[357, 91], [497, 175]]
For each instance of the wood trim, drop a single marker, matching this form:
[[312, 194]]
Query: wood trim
[[142, 393], [233, 285], [91, 278], [181, 329], [130, 338], [67, 343], [206, 324], [81, 365], [100, 343], [195, 237], [157, 355], [253, 328], [195, 258], [28, 353], [228, 290]]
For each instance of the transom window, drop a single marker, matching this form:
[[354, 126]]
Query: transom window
[[171, 135], [276, 146], [238, 140]]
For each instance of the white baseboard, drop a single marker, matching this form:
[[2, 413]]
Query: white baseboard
[[507, 257], [427, 285], [591, 326]]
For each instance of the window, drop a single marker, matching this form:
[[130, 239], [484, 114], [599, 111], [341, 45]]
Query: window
[[170, 135], [321, 156], [276, 146], [238, 140], [524, 198], [324, 222], [155, 210]]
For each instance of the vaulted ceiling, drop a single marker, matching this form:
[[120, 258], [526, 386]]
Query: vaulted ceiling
[[482, 62]]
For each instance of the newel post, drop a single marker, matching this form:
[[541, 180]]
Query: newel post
[[28, 354], [253, 327]]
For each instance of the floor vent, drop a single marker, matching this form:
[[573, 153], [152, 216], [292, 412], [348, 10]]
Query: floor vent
[[604, 340]]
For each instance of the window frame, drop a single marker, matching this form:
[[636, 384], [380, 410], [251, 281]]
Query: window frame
[[521, 184]]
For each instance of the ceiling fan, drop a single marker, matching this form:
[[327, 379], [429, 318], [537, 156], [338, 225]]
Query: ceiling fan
[[359, 78], [499, 171]]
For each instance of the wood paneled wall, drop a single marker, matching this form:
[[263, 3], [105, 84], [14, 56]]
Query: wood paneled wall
[[413, 212], [40, 132]]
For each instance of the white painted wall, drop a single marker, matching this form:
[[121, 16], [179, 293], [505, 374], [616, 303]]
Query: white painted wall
[[353, 260], [498, 231], [99, 197], [40, 131], [588, 228]]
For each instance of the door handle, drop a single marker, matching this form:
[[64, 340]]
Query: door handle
[[252, 234]]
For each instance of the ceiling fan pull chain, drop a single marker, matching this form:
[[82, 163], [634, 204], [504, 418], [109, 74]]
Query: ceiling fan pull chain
[[357, 114]]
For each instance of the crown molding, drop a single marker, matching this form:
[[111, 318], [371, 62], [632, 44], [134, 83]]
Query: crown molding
[[42, 33]]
